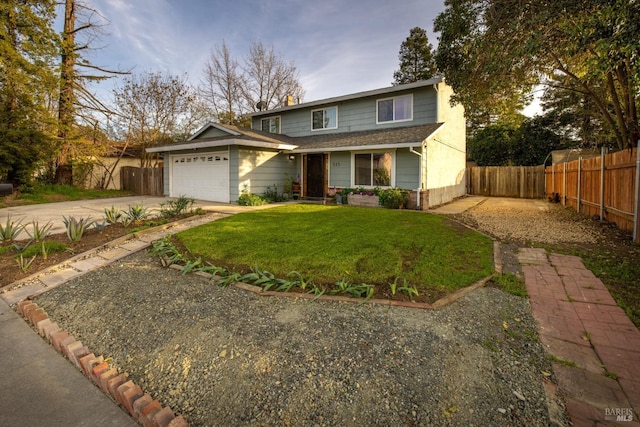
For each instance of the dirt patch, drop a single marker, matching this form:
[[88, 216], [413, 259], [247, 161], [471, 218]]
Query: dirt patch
[[92, 238], [11, 272], [223, 356]]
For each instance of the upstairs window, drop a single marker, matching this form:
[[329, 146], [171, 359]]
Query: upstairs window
[[325, 118], [373, 169], [397, 109], [271, 124]]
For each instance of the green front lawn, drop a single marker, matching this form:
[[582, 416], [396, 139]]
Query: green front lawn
[[359, 245]]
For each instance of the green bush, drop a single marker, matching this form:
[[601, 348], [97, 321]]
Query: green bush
[[248, 199], [393, 198], [271, 194]]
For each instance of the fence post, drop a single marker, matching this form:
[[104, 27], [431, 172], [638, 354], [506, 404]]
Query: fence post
[[637, 201], [564, 184], [553, 180], [579, 179], [602, 159]]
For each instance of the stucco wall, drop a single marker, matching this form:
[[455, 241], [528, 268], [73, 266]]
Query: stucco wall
[[446, 152], [96, 176]]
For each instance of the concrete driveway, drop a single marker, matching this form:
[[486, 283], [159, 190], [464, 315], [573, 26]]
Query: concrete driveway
[[55, 212]]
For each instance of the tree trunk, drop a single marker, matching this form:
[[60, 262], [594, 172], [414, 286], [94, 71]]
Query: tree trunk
[[65, 101]]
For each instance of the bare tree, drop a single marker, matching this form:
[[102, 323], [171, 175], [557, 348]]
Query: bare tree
[[80, 31], [221, 85], [151, 107], [269, 78], [232, 89]]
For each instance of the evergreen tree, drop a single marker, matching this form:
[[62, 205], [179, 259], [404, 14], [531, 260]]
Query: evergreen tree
[[28, 48], [416, 58]]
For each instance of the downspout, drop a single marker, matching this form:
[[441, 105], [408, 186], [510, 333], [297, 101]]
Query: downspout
[[420, 155]]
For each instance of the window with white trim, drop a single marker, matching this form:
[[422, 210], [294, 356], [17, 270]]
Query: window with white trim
[[325, 118], [373, 169], [396, 109], [270, 124]]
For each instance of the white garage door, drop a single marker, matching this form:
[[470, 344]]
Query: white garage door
[[203, 176]]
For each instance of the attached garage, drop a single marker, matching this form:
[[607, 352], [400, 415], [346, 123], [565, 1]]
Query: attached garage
[[203, 176], [219, 161]]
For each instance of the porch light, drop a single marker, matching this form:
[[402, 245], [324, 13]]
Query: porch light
[[292, 156]]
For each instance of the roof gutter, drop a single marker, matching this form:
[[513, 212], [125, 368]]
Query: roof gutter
[[221, 143], [356, 148]]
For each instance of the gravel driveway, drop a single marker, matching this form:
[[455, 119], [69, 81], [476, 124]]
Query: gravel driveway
[[225, 357], [523, 221]]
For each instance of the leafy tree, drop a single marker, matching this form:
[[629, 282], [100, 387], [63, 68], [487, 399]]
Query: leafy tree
[[492, 145], [28, 47], [534, 139], [507, 143], [233, 88], [22, 152], [574, 116], [493, 52], [416, 58]]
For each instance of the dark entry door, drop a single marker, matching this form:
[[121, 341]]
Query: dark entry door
[[315, 175]]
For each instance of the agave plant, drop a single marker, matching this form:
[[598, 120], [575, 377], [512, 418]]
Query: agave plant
[[76, 227], [10, 231]]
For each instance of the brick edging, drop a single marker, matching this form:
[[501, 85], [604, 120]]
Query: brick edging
[[140, 405]]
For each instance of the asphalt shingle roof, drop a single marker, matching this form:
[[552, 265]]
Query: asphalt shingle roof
[[387, 136]]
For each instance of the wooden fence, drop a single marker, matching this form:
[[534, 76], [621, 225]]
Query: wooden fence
[[604, 186], [526, 182], [142, 181]]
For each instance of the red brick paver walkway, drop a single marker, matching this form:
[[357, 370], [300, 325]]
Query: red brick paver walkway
[[595, 343]]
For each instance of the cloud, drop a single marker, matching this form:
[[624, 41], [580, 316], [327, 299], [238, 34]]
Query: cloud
[[338, 46]]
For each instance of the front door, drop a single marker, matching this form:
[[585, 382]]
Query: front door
[[315, 175]]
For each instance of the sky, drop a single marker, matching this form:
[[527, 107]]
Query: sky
[[338, 46]]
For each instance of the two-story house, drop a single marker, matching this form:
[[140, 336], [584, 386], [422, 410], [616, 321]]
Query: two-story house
[[406, 136]]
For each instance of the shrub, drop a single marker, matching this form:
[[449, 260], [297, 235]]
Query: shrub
[[271, 194], [248, 199], [393, 198]]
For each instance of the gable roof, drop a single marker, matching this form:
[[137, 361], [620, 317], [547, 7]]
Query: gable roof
[[232, 135], [397, 137], [375, 92]]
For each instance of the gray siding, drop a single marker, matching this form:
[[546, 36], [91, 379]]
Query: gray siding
[[359, 114], [212, 132], [407, 169], [259, 169], [340, 169], [234, 193]]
